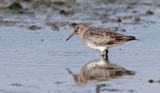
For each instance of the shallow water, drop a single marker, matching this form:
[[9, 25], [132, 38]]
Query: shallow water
[[35, 61]]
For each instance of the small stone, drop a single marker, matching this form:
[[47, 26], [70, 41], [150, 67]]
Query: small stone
[[42, 40], [58, 82], [119, 20], [149, 12], [34, 27], [134, 11], [137, 19], [151, 81], [123, 30], [15, 5], [59, 3], [16, 84], [131, 91], [129, 7], [55, 28], [66, 12]]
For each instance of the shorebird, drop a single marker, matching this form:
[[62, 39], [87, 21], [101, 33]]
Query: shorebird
[[100, 38]]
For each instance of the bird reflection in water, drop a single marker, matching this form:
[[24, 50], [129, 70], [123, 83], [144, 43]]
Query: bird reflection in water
[[100, 70]]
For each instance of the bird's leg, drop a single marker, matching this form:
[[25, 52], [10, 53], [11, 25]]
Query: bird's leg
[[106, 58], [103, 54], [106, 55]]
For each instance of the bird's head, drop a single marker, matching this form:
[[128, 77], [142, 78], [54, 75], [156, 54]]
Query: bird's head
[[78, 30]]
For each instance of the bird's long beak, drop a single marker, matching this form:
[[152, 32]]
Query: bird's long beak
[[73, 33]]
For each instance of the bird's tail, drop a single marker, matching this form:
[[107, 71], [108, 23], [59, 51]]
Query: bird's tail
[[129, 38]]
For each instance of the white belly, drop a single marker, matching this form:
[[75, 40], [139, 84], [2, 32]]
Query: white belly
[[101, 48]]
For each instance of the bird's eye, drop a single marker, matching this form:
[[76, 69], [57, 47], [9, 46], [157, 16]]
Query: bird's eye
[[77, 27]]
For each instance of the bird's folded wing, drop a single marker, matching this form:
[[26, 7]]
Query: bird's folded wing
[[106, 37]]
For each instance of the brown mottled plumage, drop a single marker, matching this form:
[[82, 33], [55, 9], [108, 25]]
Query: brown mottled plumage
[[100, 38], [104, 37]]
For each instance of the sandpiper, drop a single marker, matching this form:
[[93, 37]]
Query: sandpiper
[[100, 38]]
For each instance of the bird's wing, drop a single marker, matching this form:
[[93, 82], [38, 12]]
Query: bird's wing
[[105, 36]]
